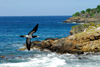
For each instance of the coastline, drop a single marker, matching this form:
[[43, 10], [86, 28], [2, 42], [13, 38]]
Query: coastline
[[76, 43], [80, 20]]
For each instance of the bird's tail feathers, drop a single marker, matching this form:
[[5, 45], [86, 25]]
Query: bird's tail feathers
[[34, 36]]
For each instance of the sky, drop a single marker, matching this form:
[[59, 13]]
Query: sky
[[44, 7]]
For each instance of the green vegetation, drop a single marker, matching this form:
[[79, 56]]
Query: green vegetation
[[88, 10], [76, 14], [89, 13], [81, 27], [98, 7], [98, 10], [82, 11], [92, 15]]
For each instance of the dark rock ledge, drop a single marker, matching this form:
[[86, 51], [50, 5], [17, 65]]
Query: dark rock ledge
[[56, 45], [86, 41], [80, 20]]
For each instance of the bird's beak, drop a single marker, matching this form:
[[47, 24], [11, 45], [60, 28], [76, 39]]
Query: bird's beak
[[25, 36], [37, 36]]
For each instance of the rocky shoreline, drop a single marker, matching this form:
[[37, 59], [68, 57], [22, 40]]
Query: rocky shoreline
[[85, 41], [80, 20], [55, 45]]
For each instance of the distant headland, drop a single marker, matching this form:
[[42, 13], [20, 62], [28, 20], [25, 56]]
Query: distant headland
[[85, 16]]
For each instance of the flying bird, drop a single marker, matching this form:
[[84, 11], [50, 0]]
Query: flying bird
[[29, 36]]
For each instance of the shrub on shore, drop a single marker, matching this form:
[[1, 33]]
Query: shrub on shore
[[88, 13], [82, 27]]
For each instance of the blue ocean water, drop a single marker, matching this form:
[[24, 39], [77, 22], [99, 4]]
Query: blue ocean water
[[49, 27]]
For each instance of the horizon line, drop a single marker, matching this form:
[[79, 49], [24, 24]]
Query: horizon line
[[37, 15]]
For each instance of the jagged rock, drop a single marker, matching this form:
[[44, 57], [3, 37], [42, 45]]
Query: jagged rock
[[22, 49], [2, 57], [58, 45], [80, 20], [36, 43], [52, 39], [74, 44], [46, 43], [92, 37], [79, 58], [19, 56], [71, 32]]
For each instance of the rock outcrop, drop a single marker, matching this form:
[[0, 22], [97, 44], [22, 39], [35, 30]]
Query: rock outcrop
[[86, 41], [80, 20]]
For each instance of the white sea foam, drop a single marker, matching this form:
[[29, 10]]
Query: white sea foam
[[73, 22], [57, 60], [50, 60]]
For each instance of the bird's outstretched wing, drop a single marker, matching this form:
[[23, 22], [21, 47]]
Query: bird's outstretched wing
[[28, 43], [34, 30]]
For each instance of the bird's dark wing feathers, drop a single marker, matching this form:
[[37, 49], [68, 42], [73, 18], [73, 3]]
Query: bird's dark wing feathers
[[34, 30], [28, 43]]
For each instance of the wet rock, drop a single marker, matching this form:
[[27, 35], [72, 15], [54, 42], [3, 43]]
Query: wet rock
[[58, 45], [19, 56], [11, 55], [52, 39], [92, 37], [6, 58], [22, 49], [79, 58], [46, 43], [2, 56], [36, 43], [80, 20], [71, 32]]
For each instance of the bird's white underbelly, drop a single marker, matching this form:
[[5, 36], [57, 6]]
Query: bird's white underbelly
[[28, 36]]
